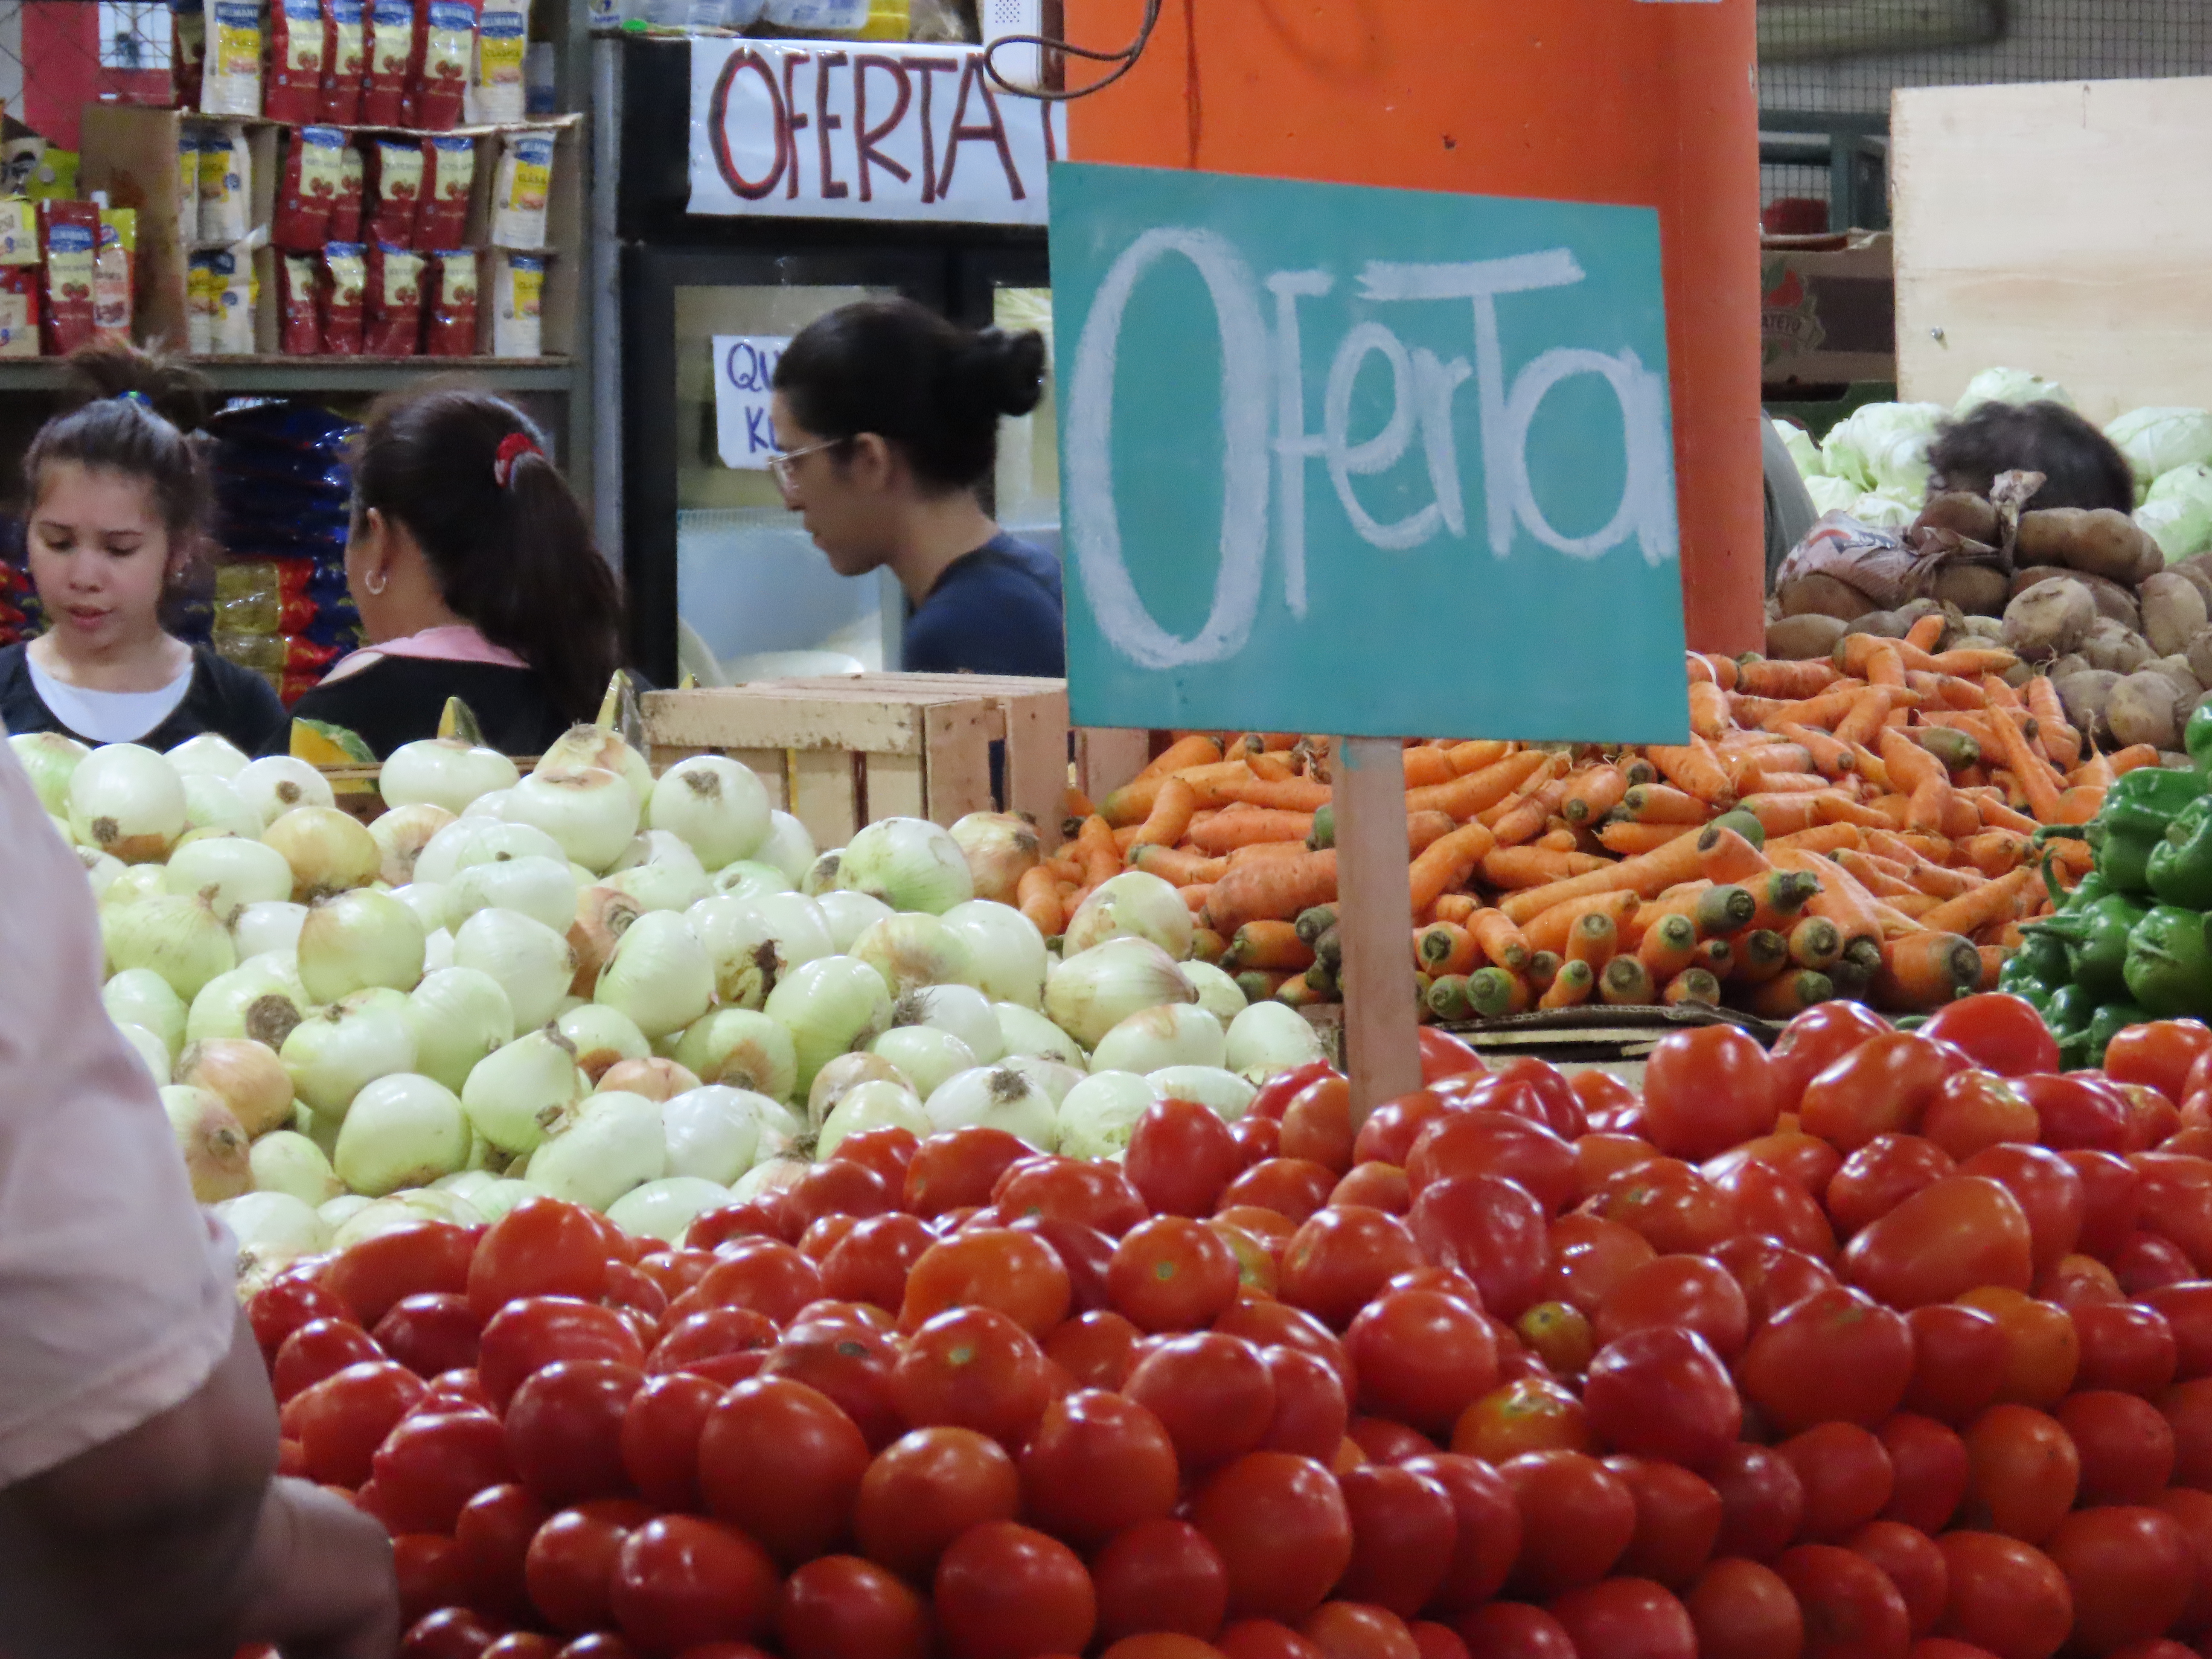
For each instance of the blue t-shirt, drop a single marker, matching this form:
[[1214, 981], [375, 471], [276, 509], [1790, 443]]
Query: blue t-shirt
[[995, 610]]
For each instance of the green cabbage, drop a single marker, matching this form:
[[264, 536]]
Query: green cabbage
[[1884, 448], [1831, 494], [2177, 513], [1883, 512], [2010, 385], [1803, 450], [2157, 441]]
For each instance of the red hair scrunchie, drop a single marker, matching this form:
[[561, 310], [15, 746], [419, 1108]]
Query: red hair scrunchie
[[512, 448]]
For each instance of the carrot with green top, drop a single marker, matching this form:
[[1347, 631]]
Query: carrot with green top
[[1592, 793], [1271, 943], [1787, 995], [1444, 947], [1670, 945], [1781, 894], [1625, 982], [1499, 939], [1551, 930], [1269, 889], [1691, 985], [1993, 901], [1261, 984], [1925, 970], [1693, 768], [1447, 998], [1815, 943], [1629, 840], [1660, 803], [1593, 938], [1495, 992], [1723, 855], [1446, 863], [1774, 677], [1569, 988], [1646, 876]]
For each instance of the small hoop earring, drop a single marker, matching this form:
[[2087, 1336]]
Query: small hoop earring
[[375, 584]]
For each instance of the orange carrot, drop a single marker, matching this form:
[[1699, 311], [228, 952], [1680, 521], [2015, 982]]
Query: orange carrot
[[1766, 678], [1885, 665], [1195, 749], [1972, 660], [1815, 943], [1424, 830], [1993, 961], [1558, 839], [1629, 839], [1528, 867], [1447, 862], [1594, 793], [1924, 633], [1272, 889], [1272, 766], [1670, 944], [1475, 754], [1879, 876], [1499, 939], [1445, 948], [1786, 815], [1593, 938], [1292, 794], [1037, 894], [2036, 778], [1925, 970], [1995, 814], [1866, 716], [1175, 865], [1791, 995], [1528, 816], [2127, 760], [1549, 930], [2060, 742], [1822, 838], [1454, 906], [1126, 837], [1832, 758], [1993, 852], [1225, 832], [1569, 988], [1095, 851], [1657, 803], [1786, 783], [1691, 985], [1822, 710], [1840, 899], [1133, 802], [1206, 945], [1858, 651], [1709, 710], [1427, 764], [1270, 943], [1169, 817], [1725, 856], [1194, 899], [1992, 901], [1480, 790], [1693, 770], [1646, 875]]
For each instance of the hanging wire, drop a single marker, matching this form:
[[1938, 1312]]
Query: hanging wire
[[1124, 60]]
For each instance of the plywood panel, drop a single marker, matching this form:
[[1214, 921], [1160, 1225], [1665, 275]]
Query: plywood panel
[[2064, 229]]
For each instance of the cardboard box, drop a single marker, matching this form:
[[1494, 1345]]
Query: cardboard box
[[1828, 309]]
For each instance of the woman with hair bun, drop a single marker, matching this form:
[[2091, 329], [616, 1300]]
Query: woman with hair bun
[[118, 498], [476, 575], [887, 418]]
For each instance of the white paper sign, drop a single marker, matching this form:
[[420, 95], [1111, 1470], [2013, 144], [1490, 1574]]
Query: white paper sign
[[808, 129], [745, 379]]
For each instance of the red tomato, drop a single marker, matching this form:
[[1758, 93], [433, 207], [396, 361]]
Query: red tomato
[[755, 1218], [449, 1634], [1662, 1392], [1098, 1194], [1806, 1159], [2041, 1351], [1975, 1110], [2005, 1596], [1931, 1470], [1317, 1124], [1588, 1256], [659, 1438], [1577, 1518], [1403, 1536], [1444, 1055], [2186, 1308], [1280, 1091], [2112, 1200], [1180, 1156], [1337, 1260], [1312, 1415], [570, 1565], [1293, 1187], [422, 1258], [524, 1337], [1355, 1630], [1678, 1521], [1880, 1176], [491, 1538], [428, 1571], [2126, 1448], [564, 1429], [850, 1365], [1213, 1393], [542, 1247], [1768, 1203], [2129, 1347], [990, 1268], [1004, 1591], [1707, 1090], [2026, 1472], [2159, 1055], [2002, 1033], [1266, 1324], [1676, 1209], [431, 1465], [957, 1169], [1913, 1565], [1954, 1236], [1495, 1143], [2048, 1190], [1098, 1349], [1742, 1610], [1880, 1087], [1098, 1464], [1771, 1275], [779, 1460], [1489, 1228], [1627, 1618], [431, 1334], [318, 1349], [1086, 1252], [1851, 1609], [1958, 1355], [341, 1420], [870, 1263], [889, 1151], [1486, 1537], [1510, 1629], [1686, 1291], [679, 1581], [1529, 1088], [711, 1334], [1172, 1273], [2176, 1193], [2131, 1569], [1283, 1530], [1389, 1133], [1846, 1476], [1422, 1358], [840, 1606], [2146, 1261], [284, 1306], [1160, 1575], [2077, 1114], [927, 1488], [974, 1368], [1836, 1356], [1384, 1442], [1762, 1501], [1530, 1415], [1378, 1186], [1816, 1040]]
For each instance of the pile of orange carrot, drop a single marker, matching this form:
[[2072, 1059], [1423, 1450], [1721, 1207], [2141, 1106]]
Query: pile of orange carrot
[[1857, 827]]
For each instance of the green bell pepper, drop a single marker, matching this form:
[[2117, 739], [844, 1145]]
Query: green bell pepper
[[2070, 1010], [2169, 963], [2180, 866], [2196, 736], [2137, 811], [2087, 891], [2040, 957], [2109, 1021], [2096, 941]]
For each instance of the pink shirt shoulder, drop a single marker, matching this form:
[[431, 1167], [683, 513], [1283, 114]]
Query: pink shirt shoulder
[[117, 1296]]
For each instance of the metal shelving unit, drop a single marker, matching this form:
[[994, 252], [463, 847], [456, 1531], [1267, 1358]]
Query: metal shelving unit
[[239, 376]]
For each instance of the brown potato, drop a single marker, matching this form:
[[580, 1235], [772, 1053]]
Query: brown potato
[[2048, 619], [2145, 707], [2108, 543], [1977, 589], [1823, 595], [2173, 612], [2084, 696], [2045, 536], [1795, 639], [2109, 645], [1964, 514]]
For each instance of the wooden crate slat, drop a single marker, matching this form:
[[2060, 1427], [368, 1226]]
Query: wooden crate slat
[[899, 788], [1037, 763], [736, 720], [958, 759], [823, 795]]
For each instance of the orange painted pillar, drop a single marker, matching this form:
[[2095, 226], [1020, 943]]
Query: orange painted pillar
[[1651, 102]]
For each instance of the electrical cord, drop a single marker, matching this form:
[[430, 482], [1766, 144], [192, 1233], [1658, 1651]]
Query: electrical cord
[[1124, 60]]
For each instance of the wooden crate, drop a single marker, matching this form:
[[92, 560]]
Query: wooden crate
[[2064, 229], [839, 753]]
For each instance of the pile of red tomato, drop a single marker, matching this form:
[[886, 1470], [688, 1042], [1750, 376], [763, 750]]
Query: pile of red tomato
[[1885, 1346]]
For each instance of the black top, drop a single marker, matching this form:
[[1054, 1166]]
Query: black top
[[234, 704], [395, 700], [995, 610]]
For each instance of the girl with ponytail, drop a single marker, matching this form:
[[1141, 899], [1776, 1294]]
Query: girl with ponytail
[[887, 415], [476, 577]]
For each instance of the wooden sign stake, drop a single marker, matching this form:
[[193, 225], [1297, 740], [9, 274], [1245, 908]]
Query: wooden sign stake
[[1381, 1042]]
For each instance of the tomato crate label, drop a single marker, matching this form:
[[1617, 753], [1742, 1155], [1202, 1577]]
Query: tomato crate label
[[1376, 462]]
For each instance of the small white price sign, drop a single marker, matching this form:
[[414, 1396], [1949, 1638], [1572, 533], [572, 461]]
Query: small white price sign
[[744, 380]]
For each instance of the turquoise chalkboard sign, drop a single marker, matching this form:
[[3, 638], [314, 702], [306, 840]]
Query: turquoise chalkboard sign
[[1376, 462]]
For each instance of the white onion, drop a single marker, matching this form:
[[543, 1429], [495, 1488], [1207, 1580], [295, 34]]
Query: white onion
[[469, 841], [539, 888], [249, 1001], [275, 784], [357, 940], [830, 1007], [751, 945], [926, 1054], [821, 877], [215, 1148], [1092, 993], [50, 757], [402, 834], [664, 1209], [960, 1009], [132, 882], [603, 916], [1055, 1077], [659, 975], [598, 745], [443, 772], [747, 878], [532, 963], [459, 1015], [141, 997], [433, 904], [465, 1182], [152, 1053], [247, 1076], [656, 1078], [286, 1161], [213, 803], [845, 1073], [337, 1212], [272, 1229], [330, 851], [1173, 1033], [716, 803], [272, 924], [127, 800], [1000, 848], [659, 886], [658, 846], [909, 864], [713, 1133], [788, 847], [178, 936], [1100, 1113], [1025, 1031], [744, 1049], [602, 1036], [590, 810], [1217, 993], [438, 950], [848, 915], [518, 1095], [406, 1209], [1008, 951], [872, 1106], [209, 755], [489, 806], [768, 1175], [615, 1144], [401, 1131], [336, 1051], [995, 1097], [1224, 1093], [100, 869], [497, 1200], [913, 949], [1132, 905], [1270, 1037]]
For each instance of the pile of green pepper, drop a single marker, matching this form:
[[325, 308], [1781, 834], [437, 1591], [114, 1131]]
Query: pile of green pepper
[[2130, 943]]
